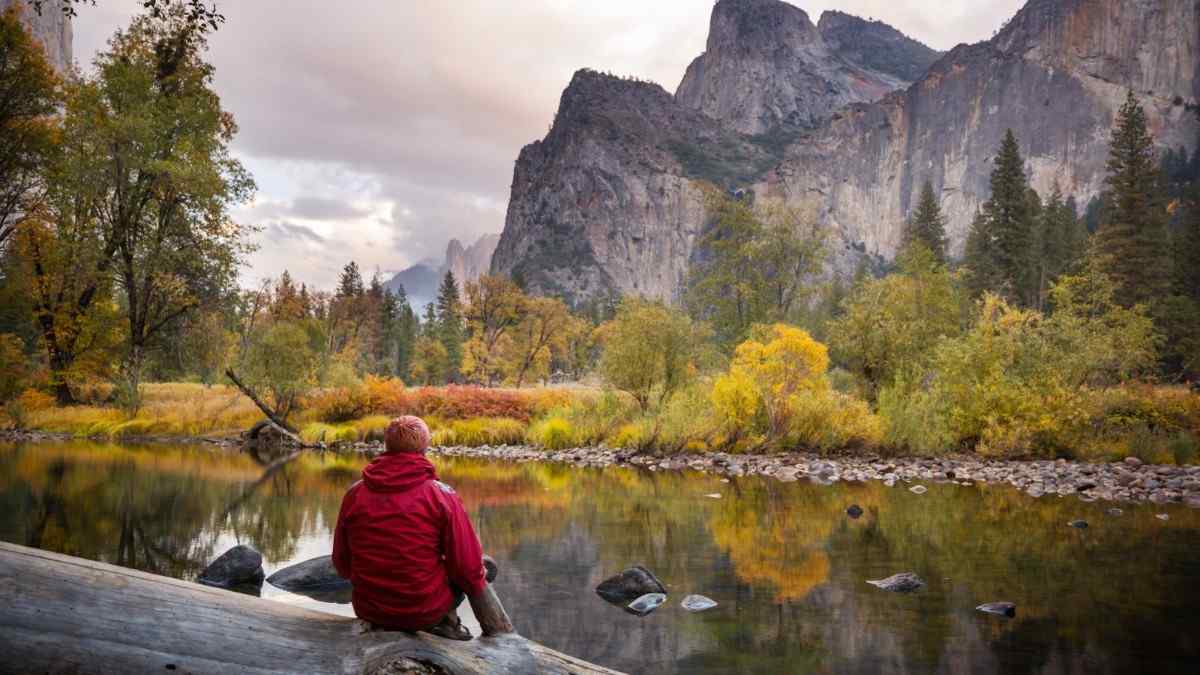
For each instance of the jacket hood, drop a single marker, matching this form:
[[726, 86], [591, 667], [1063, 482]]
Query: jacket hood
[[398, 472]]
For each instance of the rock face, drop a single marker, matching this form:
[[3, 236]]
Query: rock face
[[51, 28], [611, 201], [766, 64]]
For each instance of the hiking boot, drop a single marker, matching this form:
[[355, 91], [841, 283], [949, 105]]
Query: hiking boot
[[490, 568], [451, 628]]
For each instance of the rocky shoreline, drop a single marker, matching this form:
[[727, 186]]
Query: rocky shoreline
[[1126, 481], [1129, 480]]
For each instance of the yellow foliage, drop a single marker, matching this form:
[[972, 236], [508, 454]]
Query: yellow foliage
[[552, 433]]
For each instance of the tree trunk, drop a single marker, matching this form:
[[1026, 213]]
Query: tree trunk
[[271, 415]]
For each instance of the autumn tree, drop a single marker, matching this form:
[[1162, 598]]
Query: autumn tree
[[926, 224], [544, 329], [147, 168], [1132, 238], [29, 97], [648, 350], [495, 306], [894, 323], [756, 265]]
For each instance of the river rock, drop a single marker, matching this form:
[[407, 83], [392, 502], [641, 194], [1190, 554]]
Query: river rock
[[239, 566], [629, 585], [1078, 524], [1162, 516], [854, 511], [647, 603], [999, 608], [918, 489], [1193, 502], [317, 574], [903, 582], [698, 603], [1133, 462], [1114, 511]]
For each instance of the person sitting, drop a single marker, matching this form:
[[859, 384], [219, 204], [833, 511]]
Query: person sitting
[[405, 542]]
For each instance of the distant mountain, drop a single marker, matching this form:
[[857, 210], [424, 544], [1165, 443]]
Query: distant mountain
[[468, 263]]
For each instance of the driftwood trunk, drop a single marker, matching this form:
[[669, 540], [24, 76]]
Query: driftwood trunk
[[60, 614]]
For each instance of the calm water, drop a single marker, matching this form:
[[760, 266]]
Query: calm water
[[786, 565]]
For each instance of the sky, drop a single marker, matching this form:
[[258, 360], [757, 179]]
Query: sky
[[377, 130]]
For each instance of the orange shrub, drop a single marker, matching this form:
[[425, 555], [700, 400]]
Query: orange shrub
[[457, 402], [383, 394]]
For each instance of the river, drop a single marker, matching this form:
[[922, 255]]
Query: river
[[786, 564]]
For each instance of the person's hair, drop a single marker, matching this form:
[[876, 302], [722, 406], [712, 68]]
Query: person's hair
[[407, 434]]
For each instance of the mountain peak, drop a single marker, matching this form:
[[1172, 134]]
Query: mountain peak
[[766, 64]]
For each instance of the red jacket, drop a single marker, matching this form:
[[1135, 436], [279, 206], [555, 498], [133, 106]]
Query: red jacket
[[402, 538]]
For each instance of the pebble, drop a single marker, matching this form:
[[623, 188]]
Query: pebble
[[918, 489], [999, 608], [854, 511], [1162, 516], [1079, 524], [698, 603]]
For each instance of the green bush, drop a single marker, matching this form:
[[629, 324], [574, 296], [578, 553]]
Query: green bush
[[1183, 447]]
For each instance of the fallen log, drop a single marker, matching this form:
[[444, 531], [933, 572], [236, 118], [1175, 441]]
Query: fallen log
[[266, 410], [60, 614]]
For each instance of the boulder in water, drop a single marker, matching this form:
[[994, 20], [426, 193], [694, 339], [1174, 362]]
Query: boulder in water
[[854, 511], [1078, 524], [313, 575], [629, 585], [903, 582], [999, 608], [698, 603], [647, 603], [239, 566]]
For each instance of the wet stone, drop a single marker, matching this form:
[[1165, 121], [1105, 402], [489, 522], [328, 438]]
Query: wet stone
[[239, 566], [698, 603], [902, 582], [313, 575], [918, 489], [630, 584], [1078, 524], [854, 511], [647, 603], [999, 608]]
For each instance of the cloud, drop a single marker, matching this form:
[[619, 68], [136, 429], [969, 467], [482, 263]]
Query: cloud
[[283, 232], [387, 128]]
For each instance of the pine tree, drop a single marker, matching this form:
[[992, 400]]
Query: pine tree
[[926, 224], [450, 324], [407, 331], [980, 258], [1062, 239], [1131, 243], [1009, 219], [350, 283]]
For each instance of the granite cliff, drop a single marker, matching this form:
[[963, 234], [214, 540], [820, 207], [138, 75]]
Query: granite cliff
[[611, 201], [767, 64], [51, 28]]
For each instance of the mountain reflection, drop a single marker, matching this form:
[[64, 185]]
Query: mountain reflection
[[786, 565]]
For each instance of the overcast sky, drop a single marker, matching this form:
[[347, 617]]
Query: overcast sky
[[379, 129]]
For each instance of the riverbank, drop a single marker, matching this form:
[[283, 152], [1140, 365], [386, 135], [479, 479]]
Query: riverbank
[[1129, 480]]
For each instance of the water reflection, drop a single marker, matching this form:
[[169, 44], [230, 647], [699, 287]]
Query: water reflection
[[784, 562]]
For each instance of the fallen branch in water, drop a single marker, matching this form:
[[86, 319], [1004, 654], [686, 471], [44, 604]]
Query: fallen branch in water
[[279, 422]]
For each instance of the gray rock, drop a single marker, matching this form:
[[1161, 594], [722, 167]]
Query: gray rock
[[1133, 461], [854, 511], [999, 608], [1114, 511], [918, 489], [903, 582], [317, 574], [629, 585], [239, 566], [1162, 516], [647, 603], [698, 603], [1079, 524]]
